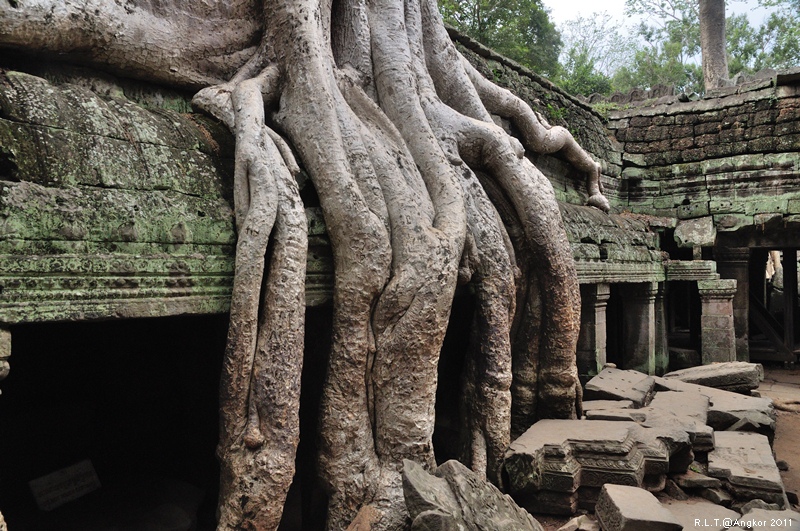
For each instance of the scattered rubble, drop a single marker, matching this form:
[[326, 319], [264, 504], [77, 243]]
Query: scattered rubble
[[744, 463], [559, 466], [624, 508], [454, 497], [727, 410], [644, 433], [734, 376], [616, 384]]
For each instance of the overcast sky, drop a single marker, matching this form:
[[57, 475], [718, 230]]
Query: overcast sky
[[563, 10]]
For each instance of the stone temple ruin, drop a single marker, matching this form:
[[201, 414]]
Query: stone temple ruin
[[116, 261]]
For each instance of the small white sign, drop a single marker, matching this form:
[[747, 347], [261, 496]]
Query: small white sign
[[65, 485]]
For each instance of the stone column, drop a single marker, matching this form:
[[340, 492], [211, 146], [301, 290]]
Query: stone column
[[5, 351], [639, 326], [661, 347], [733, 263], [591, 352], [717, 324]]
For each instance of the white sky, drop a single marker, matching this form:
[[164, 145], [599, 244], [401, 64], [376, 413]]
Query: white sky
[[563, 10]]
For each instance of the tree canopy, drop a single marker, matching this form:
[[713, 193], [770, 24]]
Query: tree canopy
[[519, 29], [664, 48]]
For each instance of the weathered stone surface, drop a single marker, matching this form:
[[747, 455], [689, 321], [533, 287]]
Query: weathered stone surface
[[717, 496], [727, 409], [366, 517], [457, 498], [698, 232], [758, 504], [623, 508], [558, 466], [594, 405], [616, 384], [735, 376], [692, 406], [674, 491], [665, 419], [3, 526], [696, 514], [581, 523], [694, 480], [745, 463]]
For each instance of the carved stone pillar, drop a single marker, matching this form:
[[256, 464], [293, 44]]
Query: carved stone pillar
[[5, 352], [591, 352], [717, 324], [661, 346], [733, 263], [639, 326]]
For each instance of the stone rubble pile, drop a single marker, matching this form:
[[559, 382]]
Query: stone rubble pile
[[696, 432]]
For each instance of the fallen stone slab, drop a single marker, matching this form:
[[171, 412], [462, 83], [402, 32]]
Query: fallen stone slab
[[559, 466], [690, 404], [744, 462], [617, 384], [696, 514], [701, 436], [735, 376], [593, 405], [624, 508], [717, 496], [727, 409], [694, 480], [455, 497], [762, 520]]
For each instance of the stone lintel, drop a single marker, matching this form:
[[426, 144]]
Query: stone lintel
[[691, 270], [723, 289]]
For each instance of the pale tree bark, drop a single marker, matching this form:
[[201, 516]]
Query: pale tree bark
[[420, 190], [712, 43]]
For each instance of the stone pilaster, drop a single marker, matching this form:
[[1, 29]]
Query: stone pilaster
[[591, 351], [5, 351], [661, 346], [639, 326], [717, 323], [733, 263]]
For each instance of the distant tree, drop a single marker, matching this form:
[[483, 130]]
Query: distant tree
[[712, 43], [669, 44], [593, 50], [774, 44], [519, 29], [668, 47]]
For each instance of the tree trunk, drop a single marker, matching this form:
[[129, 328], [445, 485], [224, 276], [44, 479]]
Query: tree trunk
[[419, 189], [712, 42]]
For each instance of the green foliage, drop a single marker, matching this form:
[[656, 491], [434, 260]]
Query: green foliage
[[519, 29], [593, 48], [556, 114], [580, 75], [775, 44], [605, 108], [669, 47]]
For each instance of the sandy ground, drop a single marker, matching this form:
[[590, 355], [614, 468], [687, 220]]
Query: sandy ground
[[783, 386]]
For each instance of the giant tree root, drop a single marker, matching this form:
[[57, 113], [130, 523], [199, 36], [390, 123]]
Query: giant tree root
[[419, 189]]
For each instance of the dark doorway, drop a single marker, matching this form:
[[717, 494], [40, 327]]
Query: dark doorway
[[137, 398]]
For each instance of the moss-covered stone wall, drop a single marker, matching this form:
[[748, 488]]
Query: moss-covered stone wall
[[733, 157]]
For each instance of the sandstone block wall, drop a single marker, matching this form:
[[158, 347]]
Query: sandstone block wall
[[733, 156]]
